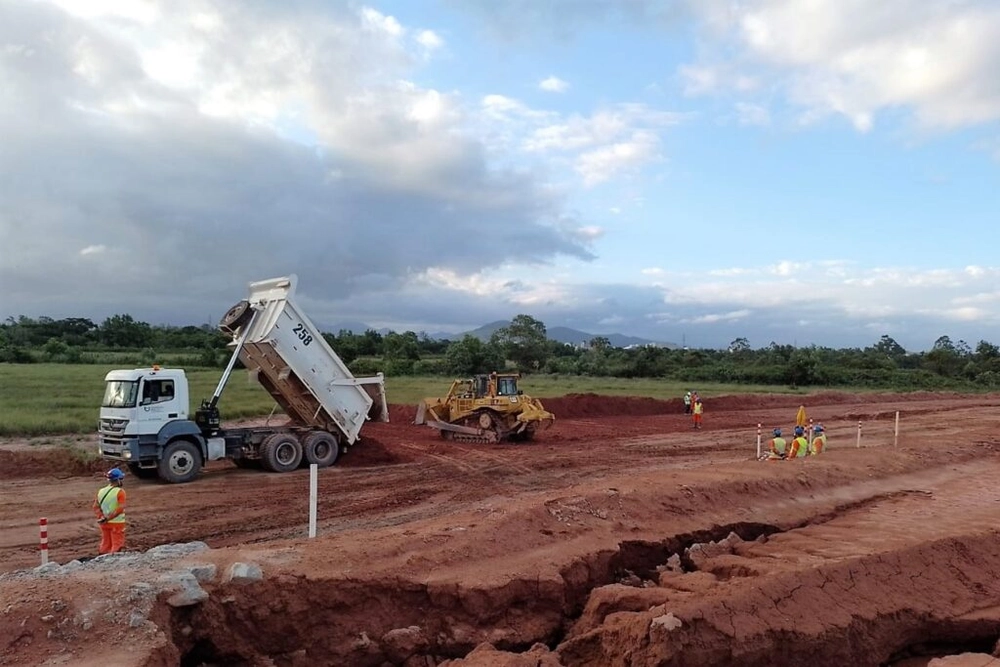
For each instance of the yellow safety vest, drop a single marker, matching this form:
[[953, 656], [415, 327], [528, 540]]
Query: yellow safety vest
[[698, 408], [107, 498], [803, 446], [821, 440], [779, 444]]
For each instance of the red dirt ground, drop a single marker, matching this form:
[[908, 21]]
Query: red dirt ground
[[621, 536]]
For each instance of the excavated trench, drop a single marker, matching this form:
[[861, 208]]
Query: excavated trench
[[700, 598]]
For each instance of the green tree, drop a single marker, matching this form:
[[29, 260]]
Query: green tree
[[943, 358], [401, 346], [122, 331], [524, 342], [599, 344], [55, 349], [370, 343], [740, 348], [890, 348], [470, 356]]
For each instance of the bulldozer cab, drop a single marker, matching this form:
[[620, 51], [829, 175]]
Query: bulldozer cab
[[506, 385], [495, 384]]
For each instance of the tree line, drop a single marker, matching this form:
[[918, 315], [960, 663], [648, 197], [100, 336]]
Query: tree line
[[524, 345]]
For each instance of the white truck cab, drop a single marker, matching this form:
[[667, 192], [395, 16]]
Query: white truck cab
[[137, 404]]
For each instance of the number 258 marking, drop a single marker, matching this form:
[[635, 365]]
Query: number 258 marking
[[303, 334]]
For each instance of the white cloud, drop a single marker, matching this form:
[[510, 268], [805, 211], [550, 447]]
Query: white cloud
[[619, 139], [786, 268], [600, 165], [856, 59], [553, 84], [735, 271], [964, 314], [752, 114], [590, 232], [429, 39], [712, 318], [93, 250], [376, 20]]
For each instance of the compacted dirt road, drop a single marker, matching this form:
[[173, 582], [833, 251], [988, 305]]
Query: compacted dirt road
[[620, 537]]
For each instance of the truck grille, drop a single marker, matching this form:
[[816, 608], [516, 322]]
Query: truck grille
[[113, 426]]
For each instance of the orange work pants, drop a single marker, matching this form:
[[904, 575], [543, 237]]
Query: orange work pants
[[112, 538]]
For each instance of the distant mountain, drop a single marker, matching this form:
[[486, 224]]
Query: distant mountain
[[352, 326], [564, 335], [483, 333]]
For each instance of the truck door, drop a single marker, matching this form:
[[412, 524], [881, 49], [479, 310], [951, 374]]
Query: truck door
[[157, 403]]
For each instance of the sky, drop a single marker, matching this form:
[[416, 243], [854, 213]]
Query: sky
[[806, 172]]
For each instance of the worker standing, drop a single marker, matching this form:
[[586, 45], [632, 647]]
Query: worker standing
[[698, 409], [819, 440], [687, 403], [800, 446], [777, 445], [109, 508]]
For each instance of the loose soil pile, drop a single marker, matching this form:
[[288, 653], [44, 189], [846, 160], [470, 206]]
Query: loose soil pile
[[617, 538]]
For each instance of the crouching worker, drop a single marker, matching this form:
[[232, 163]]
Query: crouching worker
[[777, 446], [109, 508], [800, 446], [819, 440]]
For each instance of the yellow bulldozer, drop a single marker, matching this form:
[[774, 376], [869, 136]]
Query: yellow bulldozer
[[485, 408]]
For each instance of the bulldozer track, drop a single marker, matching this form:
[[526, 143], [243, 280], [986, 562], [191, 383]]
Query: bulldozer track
[[472, 439]]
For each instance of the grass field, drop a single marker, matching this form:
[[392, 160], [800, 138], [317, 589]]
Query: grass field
[[40, 399]]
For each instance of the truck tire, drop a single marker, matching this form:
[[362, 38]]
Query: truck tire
[[281, 452], [143, 473], [321, 448], [236, 316], [180, 463]]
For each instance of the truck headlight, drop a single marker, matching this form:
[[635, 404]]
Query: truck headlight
[[100, 451], [126, 454]]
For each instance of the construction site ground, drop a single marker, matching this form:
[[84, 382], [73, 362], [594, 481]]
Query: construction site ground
[[621, 536]]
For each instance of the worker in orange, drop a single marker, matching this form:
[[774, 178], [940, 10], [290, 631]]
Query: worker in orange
[[777, 445], [109, 508], [800, 446], [696, 411], [818, 441]]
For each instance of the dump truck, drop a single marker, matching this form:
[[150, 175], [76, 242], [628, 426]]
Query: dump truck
[[485, 408], [145, 422]]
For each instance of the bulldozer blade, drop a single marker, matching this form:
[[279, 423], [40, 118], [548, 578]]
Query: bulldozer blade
[[421, 413]]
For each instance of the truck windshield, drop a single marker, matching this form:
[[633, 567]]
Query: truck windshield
[[120, 394]]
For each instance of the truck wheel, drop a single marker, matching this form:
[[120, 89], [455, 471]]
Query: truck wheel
[[320, 448], [281, 452], [237, 316], [142, 473], [180, 463]]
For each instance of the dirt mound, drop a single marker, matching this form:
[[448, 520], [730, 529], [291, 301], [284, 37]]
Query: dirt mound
[[56, 462], [574, 406], [402, 414], [369, 452]]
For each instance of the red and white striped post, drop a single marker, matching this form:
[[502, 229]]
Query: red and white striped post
[[43, 539], [859, 433], [809, 435], [758, 440]]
